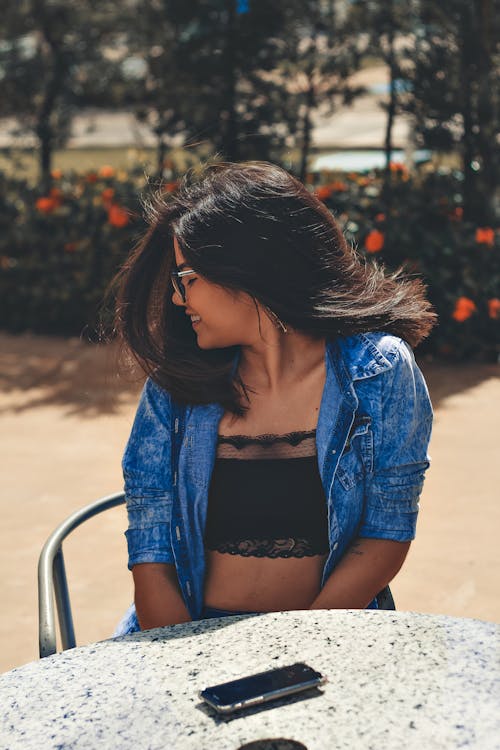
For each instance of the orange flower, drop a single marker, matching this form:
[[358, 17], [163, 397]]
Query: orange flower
[[380, 217], [118, 216], [170, 187], [485, 235], [107, 196], [457, 214], [494, 308], [323, 192], [338, 186], [46, 204], [56, 174], [374, 241], [464, 307], [397, 166], [106, 171], [57, 196]]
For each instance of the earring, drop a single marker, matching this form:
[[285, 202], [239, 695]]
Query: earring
[[274, 318]]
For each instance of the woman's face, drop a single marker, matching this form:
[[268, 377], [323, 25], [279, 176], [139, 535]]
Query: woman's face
[[227, 318]]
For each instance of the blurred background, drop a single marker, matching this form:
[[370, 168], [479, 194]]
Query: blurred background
[[387, 109]]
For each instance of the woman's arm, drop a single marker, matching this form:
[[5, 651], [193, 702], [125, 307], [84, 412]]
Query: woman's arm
[[147, 469], [367, 566], [402, 430], [158, 598]]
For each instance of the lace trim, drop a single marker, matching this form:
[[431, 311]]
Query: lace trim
[[271, 548], [292, 438]]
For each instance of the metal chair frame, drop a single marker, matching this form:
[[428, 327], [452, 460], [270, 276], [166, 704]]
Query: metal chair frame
[[52, 579]]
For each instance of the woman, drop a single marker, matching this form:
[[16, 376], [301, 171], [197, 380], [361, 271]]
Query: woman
[[280, 443]]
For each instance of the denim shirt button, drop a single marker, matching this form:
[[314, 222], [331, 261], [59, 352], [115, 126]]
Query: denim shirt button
[[334, 452]]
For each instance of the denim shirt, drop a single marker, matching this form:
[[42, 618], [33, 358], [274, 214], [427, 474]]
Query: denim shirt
[[372, 435]]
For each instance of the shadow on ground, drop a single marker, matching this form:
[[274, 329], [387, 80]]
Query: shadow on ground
[[84, 378], [43, 371]]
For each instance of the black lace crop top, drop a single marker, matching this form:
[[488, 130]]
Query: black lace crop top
[[266, 498]]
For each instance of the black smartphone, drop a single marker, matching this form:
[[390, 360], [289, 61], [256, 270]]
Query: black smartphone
[[261, 687]]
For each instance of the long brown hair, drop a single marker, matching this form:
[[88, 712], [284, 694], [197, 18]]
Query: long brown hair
[[252, 227]]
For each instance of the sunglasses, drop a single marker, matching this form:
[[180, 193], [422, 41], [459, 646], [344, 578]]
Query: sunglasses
[[175, 277]]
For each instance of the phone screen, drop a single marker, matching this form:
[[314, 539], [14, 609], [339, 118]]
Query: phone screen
[[247, 688]]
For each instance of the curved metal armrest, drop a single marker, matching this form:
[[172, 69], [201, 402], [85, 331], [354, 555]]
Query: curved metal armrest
[[52, 578]]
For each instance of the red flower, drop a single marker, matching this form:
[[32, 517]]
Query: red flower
[[457, 214], [380, 217], [91, 177], [57, 196], [323, 192], [397, 166], [485, 235], [170, 187], [46, 204], [106, 171], [494, 308], [338, 186], [464, 308], [118, 216], [107, 196], [374, 241], [70, 247]]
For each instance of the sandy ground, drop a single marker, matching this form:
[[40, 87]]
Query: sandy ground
[[65, 418]]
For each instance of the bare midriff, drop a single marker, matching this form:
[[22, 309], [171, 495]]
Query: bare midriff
[[261, 584]]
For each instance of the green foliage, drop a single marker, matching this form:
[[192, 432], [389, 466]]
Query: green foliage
[[58, 252], [56, 58], [425, 233]]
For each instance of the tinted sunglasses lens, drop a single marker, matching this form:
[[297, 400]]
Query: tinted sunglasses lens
[[179, 288]]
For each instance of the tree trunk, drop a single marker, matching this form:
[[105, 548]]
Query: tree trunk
[[487, 117], [44, 129], [391, 109], [161, 150], [391, 112], [230, 129], [309, 107], [306, 131], [468, 150]]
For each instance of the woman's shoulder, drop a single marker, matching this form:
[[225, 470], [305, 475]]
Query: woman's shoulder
[[369, 353]]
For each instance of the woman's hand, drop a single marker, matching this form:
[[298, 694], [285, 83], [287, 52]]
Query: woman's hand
[[158, 598], [367, 566]]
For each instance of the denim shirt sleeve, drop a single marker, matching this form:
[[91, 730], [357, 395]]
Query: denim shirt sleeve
[[401, 440], [147, 473]]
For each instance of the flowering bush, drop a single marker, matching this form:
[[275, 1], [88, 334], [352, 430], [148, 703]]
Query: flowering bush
[[425, 232], [58, 251]]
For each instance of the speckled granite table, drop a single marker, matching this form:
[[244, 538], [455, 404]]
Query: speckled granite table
[[396, 680]]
